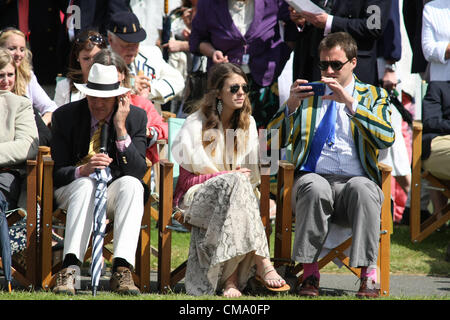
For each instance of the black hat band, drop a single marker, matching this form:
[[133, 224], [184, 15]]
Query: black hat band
[[103, 87]]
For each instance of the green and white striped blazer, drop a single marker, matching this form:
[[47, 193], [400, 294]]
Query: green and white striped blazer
[[370, 125]]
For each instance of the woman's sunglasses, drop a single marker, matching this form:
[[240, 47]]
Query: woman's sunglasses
[[235, 88], [94, 38], [335, 65]]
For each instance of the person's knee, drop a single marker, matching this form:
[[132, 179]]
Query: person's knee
[[313, 187], [364, 187], [84, 185], [129, 184]]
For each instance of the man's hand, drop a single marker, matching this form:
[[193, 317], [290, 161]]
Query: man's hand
[[298, 93], [98, 161], [447, 52], [176, 45], [318, 20], [47, 118], [296, 17], [121, 114], [142, 85], [218, 57], [339, 93]]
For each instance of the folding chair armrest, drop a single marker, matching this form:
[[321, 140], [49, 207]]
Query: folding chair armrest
[[417, 126], [384, 168]]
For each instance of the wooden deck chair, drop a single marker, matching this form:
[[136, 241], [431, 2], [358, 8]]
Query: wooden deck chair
[[284, 221], [27, 276], [168, 278], [48, 269], [420, 230]]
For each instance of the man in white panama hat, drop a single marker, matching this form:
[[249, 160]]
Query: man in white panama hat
[[75, 151]]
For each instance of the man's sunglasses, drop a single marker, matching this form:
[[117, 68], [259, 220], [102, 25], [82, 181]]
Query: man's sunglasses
[[335, 65], [94, 38], [235, 88]]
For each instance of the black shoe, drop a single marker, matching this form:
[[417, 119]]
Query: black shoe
[[424, 215]]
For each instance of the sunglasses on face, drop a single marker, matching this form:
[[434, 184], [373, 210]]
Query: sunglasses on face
[[95, 38], [235, 88], [335, 65]]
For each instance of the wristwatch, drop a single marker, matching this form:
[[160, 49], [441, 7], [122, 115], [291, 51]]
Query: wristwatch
[[122, 138], [391, 67]]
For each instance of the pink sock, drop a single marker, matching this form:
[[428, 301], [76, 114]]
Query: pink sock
[[311, 269], [370, 273]]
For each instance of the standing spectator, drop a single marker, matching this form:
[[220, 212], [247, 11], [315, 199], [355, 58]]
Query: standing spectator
[[93, 15], [412, 15], [150, 14], [364, 20], [26, 82], [40, 22], [246, 33], [436, 38], [389, 53]]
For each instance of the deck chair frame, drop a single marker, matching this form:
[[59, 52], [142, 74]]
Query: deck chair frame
[[47, 271], [421, 230], [284, 221]]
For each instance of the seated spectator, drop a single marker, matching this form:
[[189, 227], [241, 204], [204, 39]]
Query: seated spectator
[[84, 48], [335, 141], [18, 143], [76, 152], [436, 136], [436, 38], [217, 149], [153, 78], [156, 127], [26, 82]]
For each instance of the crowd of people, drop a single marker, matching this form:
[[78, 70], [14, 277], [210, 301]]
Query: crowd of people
[[218, 65]]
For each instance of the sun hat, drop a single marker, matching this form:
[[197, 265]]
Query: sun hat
[[126, 26], [103, 82]]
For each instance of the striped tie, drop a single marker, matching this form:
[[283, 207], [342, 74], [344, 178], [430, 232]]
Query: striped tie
[[94, 144]]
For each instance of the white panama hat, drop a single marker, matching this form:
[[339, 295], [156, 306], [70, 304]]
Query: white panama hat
[[103, 82]]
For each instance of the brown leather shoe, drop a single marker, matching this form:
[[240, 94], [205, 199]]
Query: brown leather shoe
[[65, 280], [368, 289], [122, 282], [309, 287]]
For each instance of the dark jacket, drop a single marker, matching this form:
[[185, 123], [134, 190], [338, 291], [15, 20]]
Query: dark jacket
[[71, 125], [435, 114], [351, 17]]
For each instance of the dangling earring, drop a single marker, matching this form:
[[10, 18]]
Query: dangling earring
[[219, 106]]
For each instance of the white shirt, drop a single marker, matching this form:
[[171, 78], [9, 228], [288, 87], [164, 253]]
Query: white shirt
[[436, 37], [64, 95], [341, 158]]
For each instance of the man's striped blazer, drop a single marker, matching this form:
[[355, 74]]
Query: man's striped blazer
[[370, 125]]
